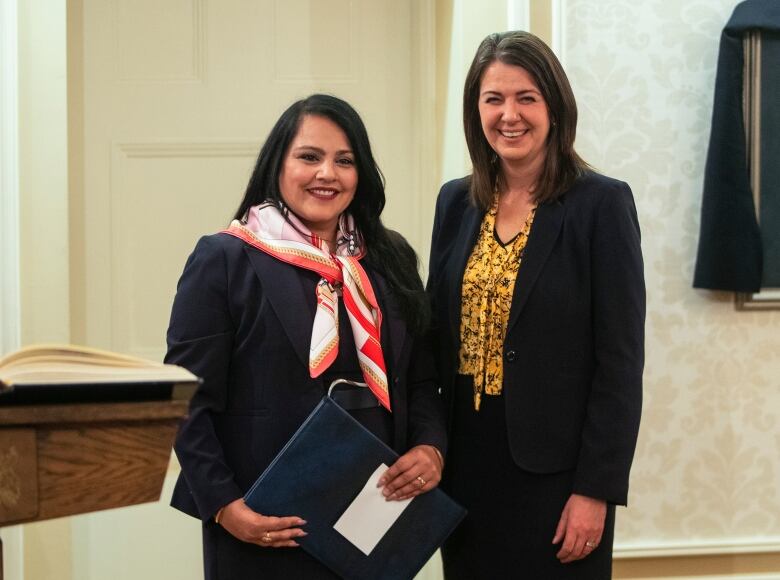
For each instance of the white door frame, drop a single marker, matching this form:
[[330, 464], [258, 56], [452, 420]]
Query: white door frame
[[9, 178], [518, 14], [10, 312], [558, 29]]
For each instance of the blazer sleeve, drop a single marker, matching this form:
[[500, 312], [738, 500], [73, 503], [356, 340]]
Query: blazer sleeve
[[450, 195], [426, 413], [200, 338], [618, 309], [434, 255]]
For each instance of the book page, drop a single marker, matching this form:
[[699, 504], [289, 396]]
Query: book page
[[370, 515], [70, 353], [76, 365]]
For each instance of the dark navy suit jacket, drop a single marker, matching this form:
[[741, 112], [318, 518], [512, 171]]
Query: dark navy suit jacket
[[574, 348], [241, 321]]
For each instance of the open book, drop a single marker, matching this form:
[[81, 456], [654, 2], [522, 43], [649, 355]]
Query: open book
[[65, 373]]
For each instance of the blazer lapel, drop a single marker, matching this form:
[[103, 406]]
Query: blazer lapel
[[544, 232], [287, 298], [393, 331], [456, 265], [285, 293]]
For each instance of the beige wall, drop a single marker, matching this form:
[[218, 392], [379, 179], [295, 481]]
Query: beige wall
[[705, 483]]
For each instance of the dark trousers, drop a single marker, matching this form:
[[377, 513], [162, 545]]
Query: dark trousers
[[513, 514]]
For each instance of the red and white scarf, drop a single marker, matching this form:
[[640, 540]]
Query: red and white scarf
[[287, 239]]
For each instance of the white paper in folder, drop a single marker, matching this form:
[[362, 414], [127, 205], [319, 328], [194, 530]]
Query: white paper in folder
[[370, 515]]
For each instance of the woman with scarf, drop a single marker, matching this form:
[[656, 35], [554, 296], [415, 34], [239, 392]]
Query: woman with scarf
[[306, 286]]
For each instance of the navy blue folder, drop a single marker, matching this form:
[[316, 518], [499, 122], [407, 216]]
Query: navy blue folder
[[318, 474]]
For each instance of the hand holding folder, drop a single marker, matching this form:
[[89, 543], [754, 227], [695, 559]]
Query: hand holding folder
[[404, 479], [267, 531], [317, 476]]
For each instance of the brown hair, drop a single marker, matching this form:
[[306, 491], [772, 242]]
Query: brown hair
[[562, 166]]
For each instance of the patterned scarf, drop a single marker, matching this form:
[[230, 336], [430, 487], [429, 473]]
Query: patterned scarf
[[287, 239]]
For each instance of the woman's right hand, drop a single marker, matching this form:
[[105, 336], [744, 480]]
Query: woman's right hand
[[266, 531]]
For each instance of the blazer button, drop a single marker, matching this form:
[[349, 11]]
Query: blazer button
[[511, 355], [395, 380]]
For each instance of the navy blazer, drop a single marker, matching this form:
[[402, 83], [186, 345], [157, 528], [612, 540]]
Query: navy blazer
[[241, 322], [574, 348]]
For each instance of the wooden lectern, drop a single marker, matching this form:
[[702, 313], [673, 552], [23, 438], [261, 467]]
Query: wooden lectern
[[63, 460]]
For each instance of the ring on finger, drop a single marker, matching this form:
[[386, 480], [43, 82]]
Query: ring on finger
[[420, 481], [266, 538], [591, 545]]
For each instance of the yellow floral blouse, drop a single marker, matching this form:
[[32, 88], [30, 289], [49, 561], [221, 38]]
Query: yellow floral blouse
[[488, 284]]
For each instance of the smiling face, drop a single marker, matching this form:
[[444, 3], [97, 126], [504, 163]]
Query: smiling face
[[514, 116], [318, 177]]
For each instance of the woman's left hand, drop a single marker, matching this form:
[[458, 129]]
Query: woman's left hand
[[580, 527], [415, 472]]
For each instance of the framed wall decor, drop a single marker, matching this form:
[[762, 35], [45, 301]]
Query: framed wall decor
[[761, 95]]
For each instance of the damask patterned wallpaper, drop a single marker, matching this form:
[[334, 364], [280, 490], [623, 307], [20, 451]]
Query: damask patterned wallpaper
[[708, 461]]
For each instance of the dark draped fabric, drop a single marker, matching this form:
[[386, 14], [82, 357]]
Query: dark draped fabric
[[730, 254]]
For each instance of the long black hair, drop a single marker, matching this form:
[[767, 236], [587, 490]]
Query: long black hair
[[386, 251]]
